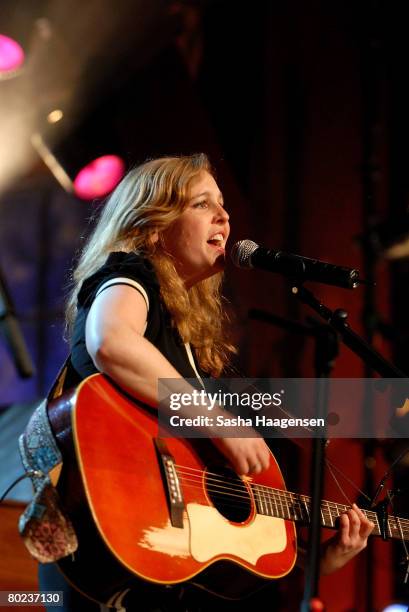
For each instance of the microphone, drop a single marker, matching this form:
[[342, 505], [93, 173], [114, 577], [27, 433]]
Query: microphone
[[248, 254]]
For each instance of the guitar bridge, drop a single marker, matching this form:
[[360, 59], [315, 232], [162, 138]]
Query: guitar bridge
[[171, 480]]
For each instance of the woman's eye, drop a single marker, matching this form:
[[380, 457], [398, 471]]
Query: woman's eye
[[201, 204]]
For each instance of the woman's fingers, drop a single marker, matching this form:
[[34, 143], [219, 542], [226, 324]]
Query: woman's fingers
[[246, 455], [366, 526], [355, 528]]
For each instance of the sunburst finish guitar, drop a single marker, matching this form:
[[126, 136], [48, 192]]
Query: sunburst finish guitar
[[169, 510]]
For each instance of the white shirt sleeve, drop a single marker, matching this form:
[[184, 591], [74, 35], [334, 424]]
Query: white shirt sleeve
[[123, 280]]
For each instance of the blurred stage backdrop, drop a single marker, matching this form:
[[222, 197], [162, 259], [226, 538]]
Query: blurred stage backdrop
[[303, 108]]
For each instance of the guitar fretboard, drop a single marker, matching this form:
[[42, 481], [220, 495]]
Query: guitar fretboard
[[296, 507]]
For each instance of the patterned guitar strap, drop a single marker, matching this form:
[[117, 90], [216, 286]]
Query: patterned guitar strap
[[46, 531]]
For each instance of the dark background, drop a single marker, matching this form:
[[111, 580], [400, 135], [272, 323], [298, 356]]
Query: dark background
[[303, 110]]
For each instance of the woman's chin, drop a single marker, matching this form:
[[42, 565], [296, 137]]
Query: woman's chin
[[220, 262]]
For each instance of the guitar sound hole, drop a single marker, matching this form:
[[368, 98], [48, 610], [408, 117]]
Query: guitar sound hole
[[228, 494]]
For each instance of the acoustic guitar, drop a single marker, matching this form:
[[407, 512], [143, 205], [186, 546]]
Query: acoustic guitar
[[163, 511]]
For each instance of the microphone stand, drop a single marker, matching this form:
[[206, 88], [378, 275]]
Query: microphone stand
[[337, 319], [9, 324], [326, 351]]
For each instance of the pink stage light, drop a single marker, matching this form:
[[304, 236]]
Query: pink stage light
[[11, 54], [99, 177]]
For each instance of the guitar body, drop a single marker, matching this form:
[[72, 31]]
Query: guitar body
[[121, 508]]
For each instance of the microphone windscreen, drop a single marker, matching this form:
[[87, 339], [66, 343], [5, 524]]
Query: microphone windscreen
[[241, 253]]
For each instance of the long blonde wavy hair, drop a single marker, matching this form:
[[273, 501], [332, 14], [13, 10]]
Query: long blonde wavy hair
[[145, 203]]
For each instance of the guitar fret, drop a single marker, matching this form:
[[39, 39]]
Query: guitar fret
[[277, 509], [262, 498], [275, 504], [306, 504], [266, 501], [287, 506], [392, 525], [330, 515], [323, 513], [303, 513], [259, 499], [280, 497], [262, 501], [293, 507], [270, 501], [299, 508], [334, 514], [281, 507], [399, 527], [374, 518], [396, 529]]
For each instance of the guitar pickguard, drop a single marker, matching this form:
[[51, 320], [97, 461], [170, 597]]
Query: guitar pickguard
[[207, 534], [211, 535]]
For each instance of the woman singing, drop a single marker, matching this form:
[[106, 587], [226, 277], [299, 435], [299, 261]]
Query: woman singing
[[146, 304]]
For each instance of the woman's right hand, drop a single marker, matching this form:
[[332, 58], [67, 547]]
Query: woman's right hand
[[246, 455]]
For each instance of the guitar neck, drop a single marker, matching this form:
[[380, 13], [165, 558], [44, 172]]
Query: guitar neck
[[296, 507]]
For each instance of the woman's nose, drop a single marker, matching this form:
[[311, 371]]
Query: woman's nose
[[222, 214]]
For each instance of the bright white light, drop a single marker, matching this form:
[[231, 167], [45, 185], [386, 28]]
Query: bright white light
[[396, 608], [55, 116]]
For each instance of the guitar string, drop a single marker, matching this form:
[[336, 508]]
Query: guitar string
[[267, 489], [208, 472], [234, 480], [247, 501], [291, 510], [245, 497], [272, 494], [222, 494], [287, 497], [302, 511], [264, 489], [240, 487]]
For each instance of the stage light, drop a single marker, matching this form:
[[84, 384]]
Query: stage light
[[18, 31], [99, 177], [11, 57], [55, 116], [397, 607]]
